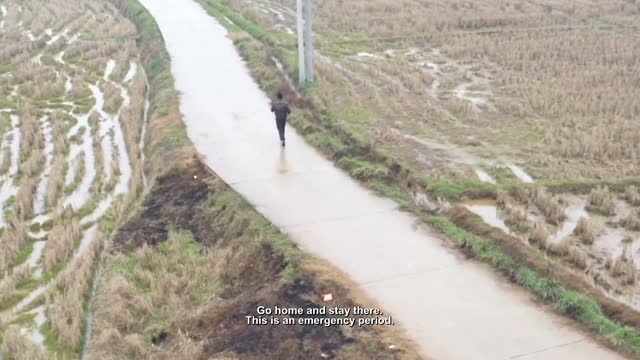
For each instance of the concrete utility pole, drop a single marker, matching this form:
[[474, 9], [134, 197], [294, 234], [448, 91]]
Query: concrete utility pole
[[301, 61], [308, 40], [305, 42]]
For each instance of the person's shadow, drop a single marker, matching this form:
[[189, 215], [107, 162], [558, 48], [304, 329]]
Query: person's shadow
[[283, 164]]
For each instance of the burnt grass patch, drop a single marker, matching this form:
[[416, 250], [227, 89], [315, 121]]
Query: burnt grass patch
[[193, 199]]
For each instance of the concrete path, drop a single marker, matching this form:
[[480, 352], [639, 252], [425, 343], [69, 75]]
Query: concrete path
[[453, 308]]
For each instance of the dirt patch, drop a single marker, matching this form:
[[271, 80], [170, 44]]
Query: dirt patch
[[173, 202], [287, 342]]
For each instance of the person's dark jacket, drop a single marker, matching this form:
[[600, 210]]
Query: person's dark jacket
[[281, 109]]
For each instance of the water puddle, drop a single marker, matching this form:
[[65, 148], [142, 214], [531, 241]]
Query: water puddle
[[30, 298], [111, 125], [55, 38], [143, 132], [111, 64], [7, 187], [366, 55], [131, 73], [412, 51], [390, 53], [68, 85], [33, 333], [610, 244], [119, 144], [30, 36], [59, 57], [34, 258], [488, 211], [484, 176], [476, 98], [520, 173], [73, 38], [573, 213], [38, 60]]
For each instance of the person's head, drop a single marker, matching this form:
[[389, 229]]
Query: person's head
[[280, 96]]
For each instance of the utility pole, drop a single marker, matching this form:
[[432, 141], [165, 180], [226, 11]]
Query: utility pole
[[308, 41], [301, 61]]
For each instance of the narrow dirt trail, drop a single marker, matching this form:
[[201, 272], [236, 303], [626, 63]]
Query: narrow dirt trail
[[452, 307]]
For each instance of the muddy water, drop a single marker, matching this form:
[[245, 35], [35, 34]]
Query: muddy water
[[439, 297], [33, 333], [68, 85], [476, 98], [520, 173], [111, 64], [484, 176], [574, 213], [133, 69], [34, 258], [488, 211], [7, 186], [143, 133]]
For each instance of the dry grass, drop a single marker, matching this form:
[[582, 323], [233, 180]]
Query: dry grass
[[30, 132], [586, 231], [131, 117], [7, 288], [112, 98], [5, 161], [539, 234], [632, 222], [11, 242], [503, 199], [79, 165], [633, 195], [550, 206], [60, 244], [157, 283], [66, 308], [55, 186], [578, 257], [383, 18], [548, 70], [624, 268], [17, 347], [560, 248], [516, 218], [25, 198], [603, 200]]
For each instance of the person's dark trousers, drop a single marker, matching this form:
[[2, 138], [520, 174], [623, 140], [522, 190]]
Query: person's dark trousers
[[281, 123]]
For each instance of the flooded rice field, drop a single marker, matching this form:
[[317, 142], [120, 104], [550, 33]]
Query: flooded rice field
[[72, 132], [598, 233]]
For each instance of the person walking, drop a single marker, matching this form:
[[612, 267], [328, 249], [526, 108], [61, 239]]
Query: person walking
[[282, 110]]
